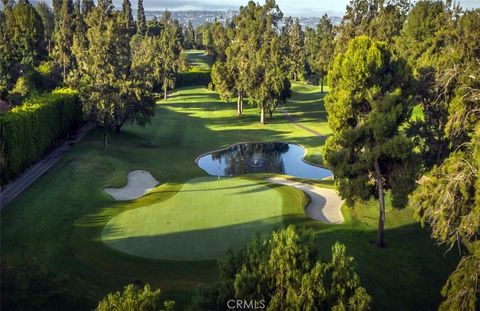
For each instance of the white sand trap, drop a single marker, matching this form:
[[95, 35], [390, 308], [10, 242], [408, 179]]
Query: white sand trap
[[325, 204], [138, 183]]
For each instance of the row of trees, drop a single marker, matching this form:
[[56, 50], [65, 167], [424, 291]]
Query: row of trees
[[241, 52], [115, 62]]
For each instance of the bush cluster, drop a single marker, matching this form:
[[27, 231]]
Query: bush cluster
[[28, 131]]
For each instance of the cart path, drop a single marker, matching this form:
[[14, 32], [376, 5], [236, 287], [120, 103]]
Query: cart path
[[19, 184], [325, 203]]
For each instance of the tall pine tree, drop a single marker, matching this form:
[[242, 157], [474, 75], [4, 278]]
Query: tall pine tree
[[367, 105], [141, 20]]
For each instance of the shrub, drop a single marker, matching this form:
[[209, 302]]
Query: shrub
[[28, 131], [135, 298]]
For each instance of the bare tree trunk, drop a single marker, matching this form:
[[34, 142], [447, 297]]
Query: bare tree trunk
[[64, 68], [321, 81], [262, 115], [165, 88], [239, 110], [105, 140], [381, 198], [241, 102]]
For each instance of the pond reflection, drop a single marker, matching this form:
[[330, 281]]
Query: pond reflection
[[279, 158]]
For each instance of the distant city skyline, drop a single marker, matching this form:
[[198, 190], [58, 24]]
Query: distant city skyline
[[289, 7], [306, 8]]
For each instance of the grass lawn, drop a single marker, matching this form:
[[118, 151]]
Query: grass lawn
[[58, 221], [198, 60], [204, 219]]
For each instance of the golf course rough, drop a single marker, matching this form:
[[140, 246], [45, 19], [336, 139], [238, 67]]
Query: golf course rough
[[207, 217]]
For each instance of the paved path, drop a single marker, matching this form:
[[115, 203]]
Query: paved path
[[15, 187], [325, 203], [294, 121]]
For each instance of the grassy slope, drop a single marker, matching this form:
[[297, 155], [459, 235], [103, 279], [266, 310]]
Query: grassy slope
[[59, 219], [204, 219], [198, 60]]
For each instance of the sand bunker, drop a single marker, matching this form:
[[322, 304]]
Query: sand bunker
[[139, 182], [325, 204]]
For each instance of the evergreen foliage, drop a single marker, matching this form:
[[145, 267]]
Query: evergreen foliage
[[135, 298], [369, 101], [28, 131], [284, 272]]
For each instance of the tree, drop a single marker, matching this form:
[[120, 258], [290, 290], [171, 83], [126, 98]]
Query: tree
[[189, 42], [111, 96], [296, 58], [24, 27], [141, 20], [367, 104], [256, 41], [127, 17], [378, 19], [283, 269], [48, 18], [321, 46], [135, 298], [427, 42], [87, 7], [448, 200], [170, 52], [80, 35], [64, 30]]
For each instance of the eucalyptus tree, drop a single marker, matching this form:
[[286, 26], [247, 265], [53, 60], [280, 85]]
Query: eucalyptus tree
[[368, 102]]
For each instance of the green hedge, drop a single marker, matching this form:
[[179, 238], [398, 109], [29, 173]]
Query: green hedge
[[185, 79], [28, 131]]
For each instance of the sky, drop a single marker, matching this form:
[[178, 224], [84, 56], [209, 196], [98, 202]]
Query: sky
[[289, 7]]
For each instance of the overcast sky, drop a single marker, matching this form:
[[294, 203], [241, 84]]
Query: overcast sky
[[289, 7]]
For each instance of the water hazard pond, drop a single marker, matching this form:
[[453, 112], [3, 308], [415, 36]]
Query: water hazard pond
[[244, 158]]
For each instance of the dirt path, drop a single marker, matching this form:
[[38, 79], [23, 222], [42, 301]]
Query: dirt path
[[15, 187], [325, 204]]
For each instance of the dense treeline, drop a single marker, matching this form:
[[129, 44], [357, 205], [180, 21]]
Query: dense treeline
[[115, 63], [403, 102], [31, 129]]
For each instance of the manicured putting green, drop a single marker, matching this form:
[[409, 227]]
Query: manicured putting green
[[204, 219]]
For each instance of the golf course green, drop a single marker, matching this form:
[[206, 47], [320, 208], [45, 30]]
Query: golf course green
[[204, 219], [66, 224]]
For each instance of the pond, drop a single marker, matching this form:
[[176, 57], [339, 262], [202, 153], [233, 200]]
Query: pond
[[244, 158]]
